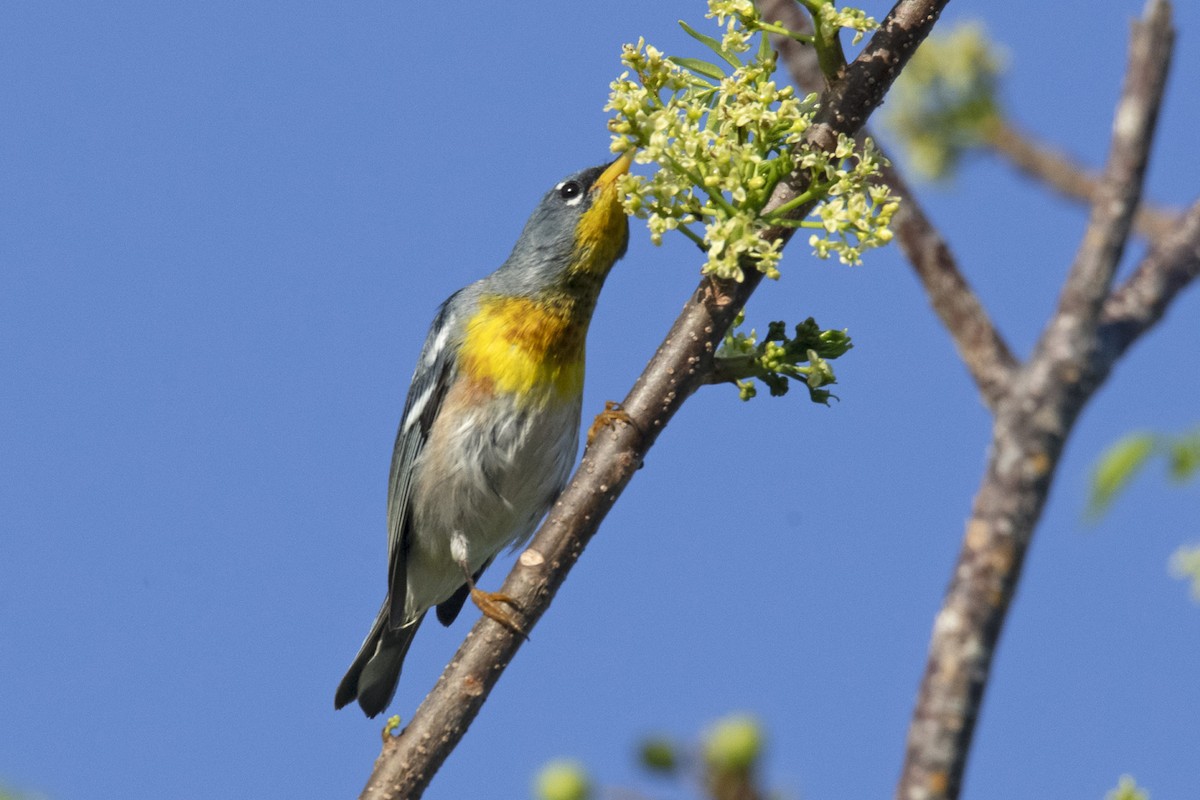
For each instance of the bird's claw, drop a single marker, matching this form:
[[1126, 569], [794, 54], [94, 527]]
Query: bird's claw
[[612, 413], [492, 605]]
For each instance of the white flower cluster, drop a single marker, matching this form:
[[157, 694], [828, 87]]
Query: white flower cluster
[[723, 137], [738, 17], [945, 102], [856, 213], [852, 18]]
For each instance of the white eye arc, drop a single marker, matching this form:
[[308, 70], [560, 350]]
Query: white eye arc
[[571, 192]]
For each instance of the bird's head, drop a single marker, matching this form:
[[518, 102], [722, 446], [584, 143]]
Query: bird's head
[[576, 233]]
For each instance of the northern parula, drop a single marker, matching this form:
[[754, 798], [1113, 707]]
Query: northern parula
[[491, 424]]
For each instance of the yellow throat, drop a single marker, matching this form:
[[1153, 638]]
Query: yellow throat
[[532, 348]]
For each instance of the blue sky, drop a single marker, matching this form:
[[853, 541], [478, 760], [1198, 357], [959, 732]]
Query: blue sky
[[225, 228]]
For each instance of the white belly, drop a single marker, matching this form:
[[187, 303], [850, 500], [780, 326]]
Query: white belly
[[489, 497]]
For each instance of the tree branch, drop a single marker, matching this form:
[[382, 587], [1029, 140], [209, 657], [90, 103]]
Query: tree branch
[[1120, 190], [981, 347], [1032, 424], [1061, 173], [409, 761], [1142, 300]]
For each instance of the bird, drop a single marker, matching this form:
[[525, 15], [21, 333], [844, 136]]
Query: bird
[[490, 426]]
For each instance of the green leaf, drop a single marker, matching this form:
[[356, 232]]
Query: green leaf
[[1117, 468], [764, 48], [699, 67], [1184, 456], [710, 119], [712, 44], [822, 396]]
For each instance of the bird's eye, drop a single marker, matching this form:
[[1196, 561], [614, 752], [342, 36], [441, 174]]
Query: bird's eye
[[569, 190]]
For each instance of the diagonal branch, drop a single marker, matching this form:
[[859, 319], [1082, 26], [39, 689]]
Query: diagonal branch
[[1120, 190], [409, 761], [1142, 300], [981, 347], [1031, 428], [1058, 171]]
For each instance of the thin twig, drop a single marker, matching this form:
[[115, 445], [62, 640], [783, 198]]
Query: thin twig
[[1117, 197], [980, 345], [1139, 303], [1061, 173], [409, 761], [1031, 427]]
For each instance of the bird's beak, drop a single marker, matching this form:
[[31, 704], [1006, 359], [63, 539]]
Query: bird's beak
[[613, 171]]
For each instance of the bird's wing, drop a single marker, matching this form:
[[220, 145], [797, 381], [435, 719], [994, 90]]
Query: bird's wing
[[433, 375]]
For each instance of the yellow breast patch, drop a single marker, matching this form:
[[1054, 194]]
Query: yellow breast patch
[[532, 349]]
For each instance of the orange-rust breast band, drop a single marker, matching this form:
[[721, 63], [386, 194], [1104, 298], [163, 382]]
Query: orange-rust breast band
[[526, 347]]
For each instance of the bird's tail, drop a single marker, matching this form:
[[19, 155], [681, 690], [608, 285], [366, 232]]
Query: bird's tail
[[373, 676]]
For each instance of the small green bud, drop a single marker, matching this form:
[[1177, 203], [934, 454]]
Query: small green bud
[[1185, 565], [391, 727], [563, 780], [733, 744], [1127, 789], [658, 755]]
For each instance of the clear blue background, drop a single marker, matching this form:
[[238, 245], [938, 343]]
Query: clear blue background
[[224, 228]]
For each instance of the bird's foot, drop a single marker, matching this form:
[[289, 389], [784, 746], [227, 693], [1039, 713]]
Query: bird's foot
[[612, 413], [492, 604]]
